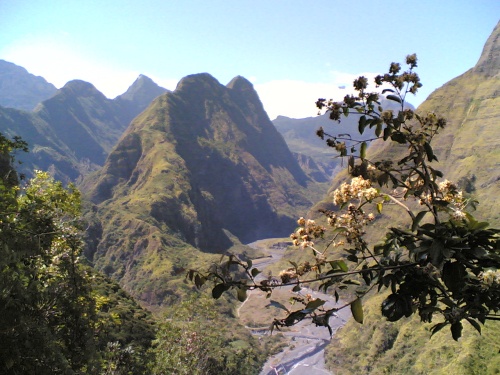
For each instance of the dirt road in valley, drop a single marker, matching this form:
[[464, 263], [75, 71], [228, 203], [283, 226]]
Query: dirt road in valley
[[305, 352]]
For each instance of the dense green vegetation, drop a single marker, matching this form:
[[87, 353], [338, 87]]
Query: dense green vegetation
[[188, 342], [56, 314], [59, 316]]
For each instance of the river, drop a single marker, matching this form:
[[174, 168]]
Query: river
[[305, 353]]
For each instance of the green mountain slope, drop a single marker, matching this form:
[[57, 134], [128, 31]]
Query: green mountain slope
[[202, 169], [469, 153]]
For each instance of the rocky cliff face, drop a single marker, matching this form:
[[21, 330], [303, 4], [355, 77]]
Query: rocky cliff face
[[202, 168]]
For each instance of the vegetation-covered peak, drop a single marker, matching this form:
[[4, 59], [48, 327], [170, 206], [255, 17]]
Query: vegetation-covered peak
[[143, 87], [81, 88], [199, 80], [240, 83], [489, 62]]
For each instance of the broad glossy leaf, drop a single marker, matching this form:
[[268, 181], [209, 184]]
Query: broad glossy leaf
[[357, 310], [314, 304], [394, 98], [362, 124], [218, 290], [242, 294], [474, 324], [417, 220], [456, 330], [362, 151]]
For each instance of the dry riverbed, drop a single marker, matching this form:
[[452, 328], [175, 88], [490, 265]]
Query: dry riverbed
[[306, 343]]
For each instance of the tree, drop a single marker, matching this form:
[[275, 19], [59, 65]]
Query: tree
[[441, 262], [47, 312], [187, 343]]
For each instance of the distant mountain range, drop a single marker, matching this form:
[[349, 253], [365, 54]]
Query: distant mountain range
[[20, 89], [311, 151], [72, 130]]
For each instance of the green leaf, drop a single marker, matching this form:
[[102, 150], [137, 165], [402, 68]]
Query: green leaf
[[436, 328], [352, 258], [199, 281], [339, 264], [417, 220], [362, 124], [398, 137], [279, 305], [242, 294], [429, 152], [313, 305], [296, 288], [357, 310], [474, 324], [378, 130], [342, 265], [337, 297], [218, 290], [387, 132], [351, 282], [255, 272], [362, 152], [394, 98], [456, 330], [379, 207], [436, 253], [454, 276], [387, 90]]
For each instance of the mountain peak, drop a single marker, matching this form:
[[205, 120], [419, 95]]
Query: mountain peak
[[200, 79], [489, 62], [81, 88], [240, 83], [143, 89], [21, 89]]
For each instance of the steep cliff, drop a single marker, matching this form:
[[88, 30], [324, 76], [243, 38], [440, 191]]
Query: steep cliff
[[202, 169]]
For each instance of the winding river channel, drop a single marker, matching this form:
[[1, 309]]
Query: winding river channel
[[306, 342]]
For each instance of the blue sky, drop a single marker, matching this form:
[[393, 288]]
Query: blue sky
[[292, 51]]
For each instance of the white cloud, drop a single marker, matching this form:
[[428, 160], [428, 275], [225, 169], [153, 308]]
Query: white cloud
[[297, 99]]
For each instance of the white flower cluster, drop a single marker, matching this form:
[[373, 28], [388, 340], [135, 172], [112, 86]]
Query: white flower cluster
[[358, 188], [306, 232], [490, 277], [352, 222]]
